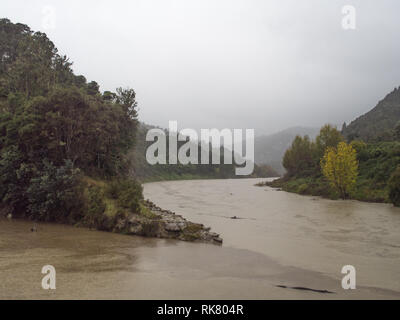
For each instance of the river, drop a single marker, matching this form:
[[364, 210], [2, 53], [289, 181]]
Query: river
[[279, 239]]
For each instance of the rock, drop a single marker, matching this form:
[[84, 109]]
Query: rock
[[218, 240], [120, 225], [135, 229], [172, 227], [166, 224]]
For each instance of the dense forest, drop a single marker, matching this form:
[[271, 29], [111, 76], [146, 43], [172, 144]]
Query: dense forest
[[375, 140], [60, 135], [69, 152], [145, 172]]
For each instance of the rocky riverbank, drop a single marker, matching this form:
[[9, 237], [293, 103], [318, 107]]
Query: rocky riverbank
[[162, 223], [153, 221]]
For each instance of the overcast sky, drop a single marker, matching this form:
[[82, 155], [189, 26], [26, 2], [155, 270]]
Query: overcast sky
[[267, 65]]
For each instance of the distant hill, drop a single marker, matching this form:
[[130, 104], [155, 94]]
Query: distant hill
[[145, 172], [377, 124], [271, 148]]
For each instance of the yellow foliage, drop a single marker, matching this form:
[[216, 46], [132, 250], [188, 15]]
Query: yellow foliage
[[340, 166]]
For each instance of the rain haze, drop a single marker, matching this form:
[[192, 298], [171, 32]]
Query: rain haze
[[267, 65]]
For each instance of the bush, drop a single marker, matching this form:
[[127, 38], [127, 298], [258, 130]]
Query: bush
[[15, 177], [95, 207], [394, 187], [302, 188], [55, 193], [127, 193]]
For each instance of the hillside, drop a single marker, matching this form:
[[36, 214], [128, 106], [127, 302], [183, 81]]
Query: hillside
[[271, 148], [65, 147], [144, 172], [377, 124], [377, 157]]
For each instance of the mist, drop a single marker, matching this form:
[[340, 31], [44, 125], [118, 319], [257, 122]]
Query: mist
[[263, 65]]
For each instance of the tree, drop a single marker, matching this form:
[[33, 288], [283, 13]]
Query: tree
[[328, 137], [298, 159], [93, 88], [55, 193], [394, 187], [127, 99], [340, 167], [55, 127]]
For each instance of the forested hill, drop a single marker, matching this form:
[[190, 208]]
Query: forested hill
[[378, 124], [67, 149], [56, 131], [143, 171]]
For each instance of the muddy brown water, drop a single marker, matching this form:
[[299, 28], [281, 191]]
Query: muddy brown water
[[280, 241]]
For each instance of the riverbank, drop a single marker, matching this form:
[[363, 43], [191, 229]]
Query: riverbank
[[318, 186], [119, 207], [376, 179], [166, 224]]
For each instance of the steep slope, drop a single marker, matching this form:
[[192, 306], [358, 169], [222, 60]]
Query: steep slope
[[377, 124]]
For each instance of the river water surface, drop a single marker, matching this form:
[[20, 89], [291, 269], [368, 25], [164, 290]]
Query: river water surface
[[279, 239]]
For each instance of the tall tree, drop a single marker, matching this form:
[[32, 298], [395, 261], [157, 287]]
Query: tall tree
[[340, 167]]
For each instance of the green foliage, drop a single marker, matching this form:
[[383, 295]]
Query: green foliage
[[54, 194], [95, 206], [303, 157], [44, 192], [298, 159], [127, 193], [394, 187], [55, 128], [329, 137], [377, 162], [15, 176], [315, 186]]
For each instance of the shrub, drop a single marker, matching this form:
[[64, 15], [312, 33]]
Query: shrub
[[95, 206], [127, 193], [302, 188], [54, 194]]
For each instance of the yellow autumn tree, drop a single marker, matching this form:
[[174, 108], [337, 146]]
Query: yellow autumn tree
[[340, 166]]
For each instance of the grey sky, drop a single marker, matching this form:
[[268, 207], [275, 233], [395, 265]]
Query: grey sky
[[266, 65]]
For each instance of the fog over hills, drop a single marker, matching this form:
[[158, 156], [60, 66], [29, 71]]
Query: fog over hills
[[269, 149]]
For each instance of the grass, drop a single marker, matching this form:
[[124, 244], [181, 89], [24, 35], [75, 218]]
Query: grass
[[146, 212]]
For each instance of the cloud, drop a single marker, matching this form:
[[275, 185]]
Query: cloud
[[266, 65]]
